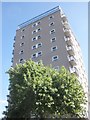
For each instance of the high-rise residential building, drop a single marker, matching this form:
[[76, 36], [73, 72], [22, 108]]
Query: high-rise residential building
[[48, 37]]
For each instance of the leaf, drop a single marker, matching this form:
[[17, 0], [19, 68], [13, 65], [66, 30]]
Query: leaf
[[42, 91]]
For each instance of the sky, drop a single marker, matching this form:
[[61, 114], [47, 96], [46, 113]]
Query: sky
[[15, 13], [45, 0]]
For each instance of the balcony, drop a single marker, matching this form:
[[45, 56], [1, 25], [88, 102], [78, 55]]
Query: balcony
[[67, 31], [74, 70], [70, 50], [68, 40], [65, 24], [72, 60], [64, 18]]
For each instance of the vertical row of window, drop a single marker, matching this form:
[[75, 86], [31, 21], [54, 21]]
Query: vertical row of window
[[21, 45], [54, 48], [38, 45]]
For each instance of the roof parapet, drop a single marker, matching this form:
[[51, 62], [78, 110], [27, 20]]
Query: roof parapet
[[40, 17]]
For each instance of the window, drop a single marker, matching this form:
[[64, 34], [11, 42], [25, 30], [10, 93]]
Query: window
[[34, 47], [54, 58], [38, 22], [13, 52], [52, 31], [34, 25], [33, 31], [56, 67], [33, 39], [38, 29], [51, 17], [22, 37], [54, 48], [21, 60], [21, 52], [34, 55], [12, 60], [53, 39], [39, 53], [22, 44], [23, 30], [51, 24], [14, 44], [39, 45], [38, 37], [38, 62]]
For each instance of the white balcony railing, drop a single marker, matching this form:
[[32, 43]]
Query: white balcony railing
[[67, 31], [74, 70], [70, 50], [63, 17], [65, 24], [68, 40], [72, 60]]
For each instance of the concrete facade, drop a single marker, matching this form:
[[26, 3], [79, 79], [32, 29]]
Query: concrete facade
[[48, 37]]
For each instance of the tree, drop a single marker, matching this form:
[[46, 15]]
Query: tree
[[43, 92]]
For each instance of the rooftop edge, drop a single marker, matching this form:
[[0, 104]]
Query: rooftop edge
[[55, 9]]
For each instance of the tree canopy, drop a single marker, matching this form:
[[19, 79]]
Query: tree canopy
[[40, 91]]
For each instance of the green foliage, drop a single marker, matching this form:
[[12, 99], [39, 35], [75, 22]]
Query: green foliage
[[44, 92]]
